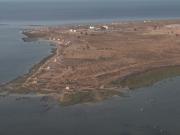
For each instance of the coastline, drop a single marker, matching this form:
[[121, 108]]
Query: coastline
[[15, 85]]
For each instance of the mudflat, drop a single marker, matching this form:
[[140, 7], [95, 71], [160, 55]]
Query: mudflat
[[93, 58]]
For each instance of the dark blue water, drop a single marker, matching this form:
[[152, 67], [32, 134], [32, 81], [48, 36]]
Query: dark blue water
[[16, 56], [87, 11], [148, 111], [152, 110]]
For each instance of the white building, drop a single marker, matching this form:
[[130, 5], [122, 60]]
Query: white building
[[91, 27], [105, 27], [67, 88], [72, 30]]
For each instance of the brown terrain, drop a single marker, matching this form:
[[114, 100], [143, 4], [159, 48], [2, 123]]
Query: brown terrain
[[94, 59]]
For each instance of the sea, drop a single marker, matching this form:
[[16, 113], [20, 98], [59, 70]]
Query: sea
[[81, 11], [150, 110]]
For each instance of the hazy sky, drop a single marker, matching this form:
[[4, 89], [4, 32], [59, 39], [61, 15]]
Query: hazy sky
[[74, 0], [87, 0], [54, 0], [49, 0]]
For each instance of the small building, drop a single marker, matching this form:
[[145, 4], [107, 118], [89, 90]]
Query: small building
[[91, 27], [105, 27], [68, 42], [67, 88], [34, 82], [48, 68], [72, 30], [55, 60]]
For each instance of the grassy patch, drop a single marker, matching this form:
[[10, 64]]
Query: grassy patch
[[147, 78]]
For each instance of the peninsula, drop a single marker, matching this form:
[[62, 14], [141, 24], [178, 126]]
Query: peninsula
[[95, 60]]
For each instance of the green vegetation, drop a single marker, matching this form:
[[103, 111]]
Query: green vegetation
[[86, 96], [148, 78], [77, 97]]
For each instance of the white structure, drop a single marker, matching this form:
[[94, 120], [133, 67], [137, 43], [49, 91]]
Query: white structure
[[67, 43], [48, 68], [71, 30], [34, 82], [105, 27], [147, 21], [173, 26], [67, 88], [55, 60], [91, 27]]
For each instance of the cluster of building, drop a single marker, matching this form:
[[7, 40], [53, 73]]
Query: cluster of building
[[104, 27], [91, 27]]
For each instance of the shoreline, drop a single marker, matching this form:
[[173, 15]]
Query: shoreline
[[15, 85], [22, 78]]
